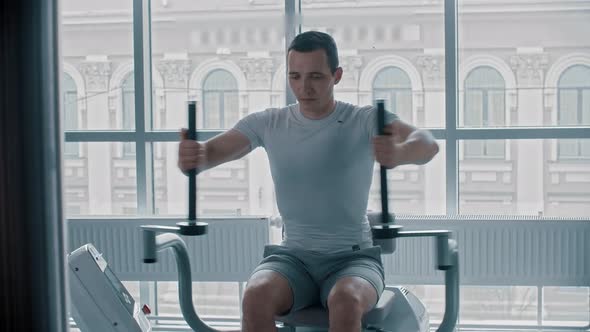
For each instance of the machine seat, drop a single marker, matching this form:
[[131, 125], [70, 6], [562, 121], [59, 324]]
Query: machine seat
[[317, 315]]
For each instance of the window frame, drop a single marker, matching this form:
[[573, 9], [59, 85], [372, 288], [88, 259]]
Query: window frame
[[143, 137]]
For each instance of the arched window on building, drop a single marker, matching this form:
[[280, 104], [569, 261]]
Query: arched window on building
[[393, 85], [485, 106], [220, 100], [70, 113], [128, 112], [574, 109]]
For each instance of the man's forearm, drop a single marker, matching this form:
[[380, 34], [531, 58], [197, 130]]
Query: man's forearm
[[419, 148], [222, 151]]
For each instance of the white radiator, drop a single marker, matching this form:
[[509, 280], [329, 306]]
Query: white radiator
[[518, 250], [228, 252]]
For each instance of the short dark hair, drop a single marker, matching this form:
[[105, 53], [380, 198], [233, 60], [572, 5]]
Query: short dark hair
[[314, 40]]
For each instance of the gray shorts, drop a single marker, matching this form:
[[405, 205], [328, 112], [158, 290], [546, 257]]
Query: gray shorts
[[312, 274]]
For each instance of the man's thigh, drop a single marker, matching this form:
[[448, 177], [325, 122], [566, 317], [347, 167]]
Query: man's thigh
[[367, 272], [281, 260]]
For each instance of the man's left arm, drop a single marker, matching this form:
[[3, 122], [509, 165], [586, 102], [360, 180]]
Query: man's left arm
[[404, 144]]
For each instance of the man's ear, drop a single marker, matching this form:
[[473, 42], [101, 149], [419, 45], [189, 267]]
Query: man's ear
[[337, 75]]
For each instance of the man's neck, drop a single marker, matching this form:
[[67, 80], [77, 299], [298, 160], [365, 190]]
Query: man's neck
[[320, 113]]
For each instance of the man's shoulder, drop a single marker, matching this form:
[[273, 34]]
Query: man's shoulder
[[268, 114], [353, 110], [273, 111]]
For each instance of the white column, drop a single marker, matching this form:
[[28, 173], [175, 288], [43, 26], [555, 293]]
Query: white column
[[529, 68], [96, 71], [258, 170], [529, 172], [347, 89], [174, 69], [258, 69], [434, 117]]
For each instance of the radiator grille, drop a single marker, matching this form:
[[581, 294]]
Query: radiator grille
[[229, 252], [497, 251]]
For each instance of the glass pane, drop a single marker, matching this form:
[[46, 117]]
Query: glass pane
[[69, 102], [474, 149], [568, 107], [127, 120], [515, 41], [496, 108], [576, 76], [212, 110], [392, 78], [496, 305], [403, 105], [413, 189], [568, 148], [70, 106], [97, 53], [231, 109], [586, 106], [241, 187], [100, 180], [474, 108], [531, 178], [495, 148], [187, 48], [585, 149], [569, 306], [392, 34]]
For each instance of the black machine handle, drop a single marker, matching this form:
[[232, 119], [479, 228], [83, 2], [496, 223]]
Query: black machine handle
[[192, 174], [385, 218]]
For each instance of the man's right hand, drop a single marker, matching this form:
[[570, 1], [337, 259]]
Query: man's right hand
[[191, 154]]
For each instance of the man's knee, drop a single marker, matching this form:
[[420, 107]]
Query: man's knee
[[267, 293], [351, 296]]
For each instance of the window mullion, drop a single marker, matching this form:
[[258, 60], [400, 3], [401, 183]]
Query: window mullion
[[292, 27], [143, 102], [451, 96], [580, 120]]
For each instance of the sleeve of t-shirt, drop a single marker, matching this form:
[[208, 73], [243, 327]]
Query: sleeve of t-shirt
[[253, 126], [372, 120]]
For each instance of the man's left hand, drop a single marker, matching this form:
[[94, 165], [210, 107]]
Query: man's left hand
[[388, 149]]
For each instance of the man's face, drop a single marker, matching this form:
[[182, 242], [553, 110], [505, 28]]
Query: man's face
[[311, 79]]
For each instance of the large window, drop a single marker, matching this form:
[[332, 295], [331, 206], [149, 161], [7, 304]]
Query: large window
[[514, 129]]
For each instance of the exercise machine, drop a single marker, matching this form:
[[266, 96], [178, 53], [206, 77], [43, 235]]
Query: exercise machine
[[397, 309], [100, 302]]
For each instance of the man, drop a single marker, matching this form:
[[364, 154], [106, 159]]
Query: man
[[321, 154]]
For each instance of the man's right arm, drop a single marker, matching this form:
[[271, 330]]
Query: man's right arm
[[228, 146]]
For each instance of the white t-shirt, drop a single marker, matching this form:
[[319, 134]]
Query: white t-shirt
[[322, 171]]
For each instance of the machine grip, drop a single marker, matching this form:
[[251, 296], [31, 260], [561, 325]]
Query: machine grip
[[192, 174], [383, 171]]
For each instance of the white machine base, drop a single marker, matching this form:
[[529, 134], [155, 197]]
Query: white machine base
[[99, 301]]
